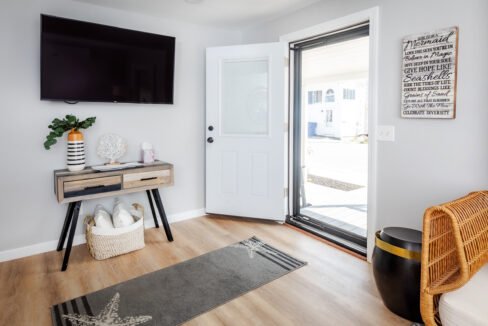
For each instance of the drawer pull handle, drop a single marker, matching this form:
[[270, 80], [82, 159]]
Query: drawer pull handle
[[94, 187], [146, 179], [93, 190]]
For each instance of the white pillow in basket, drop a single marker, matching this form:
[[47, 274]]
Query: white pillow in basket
[[121, 215], [102, 218], [136, 214]]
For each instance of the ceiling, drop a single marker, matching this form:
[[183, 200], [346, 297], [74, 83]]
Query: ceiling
[[233, 14], [336, 60]]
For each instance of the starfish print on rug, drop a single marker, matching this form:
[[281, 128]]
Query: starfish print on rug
[[107, 317], [253, 247]]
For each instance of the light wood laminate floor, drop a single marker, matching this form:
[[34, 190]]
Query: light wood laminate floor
[[335, 288]]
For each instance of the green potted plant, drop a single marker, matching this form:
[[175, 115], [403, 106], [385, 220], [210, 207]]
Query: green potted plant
[[76, 145]]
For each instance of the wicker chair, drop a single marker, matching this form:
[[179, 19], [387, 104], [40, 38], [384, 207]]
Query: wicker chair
[[454, 248]]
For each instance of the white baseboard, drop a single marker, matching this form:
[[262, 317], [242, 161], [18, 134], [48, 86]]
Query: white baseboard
[[178, 217], [42, 247]]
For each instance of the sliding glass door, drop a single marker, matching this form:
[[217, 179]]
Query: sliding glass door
[[331, 135]]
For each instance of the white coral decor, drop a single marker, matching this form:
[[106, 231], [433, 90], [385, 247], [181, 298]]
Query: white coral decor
[[111, 147]]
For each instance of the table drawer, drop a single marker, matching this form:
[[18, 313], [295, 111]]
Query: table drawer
[[92, 186], [144, 179]]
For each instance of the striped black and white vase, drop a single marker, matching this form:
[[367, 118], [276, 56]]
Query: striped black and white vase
[[76, 151]]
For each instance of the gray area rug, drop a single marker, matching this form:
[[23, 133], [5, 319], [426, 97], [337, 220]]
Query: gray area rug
[[181, 292]]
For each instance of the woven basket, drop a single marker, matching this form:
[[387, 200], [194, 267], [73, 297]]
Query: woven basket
[[103, 244]]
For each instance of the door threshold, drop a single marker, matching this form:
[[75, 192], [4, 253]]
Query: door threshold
[[337, 242]]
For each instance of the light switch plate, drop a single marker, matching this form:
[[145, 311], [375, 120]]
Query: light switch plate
[[386, 133]]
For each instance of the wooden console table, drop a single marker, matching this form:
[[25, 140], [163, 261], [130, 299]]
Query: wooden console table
[[74, 187]]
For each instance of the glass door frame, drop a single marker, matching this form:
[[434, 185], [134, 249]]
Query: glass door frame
[[331, 233]]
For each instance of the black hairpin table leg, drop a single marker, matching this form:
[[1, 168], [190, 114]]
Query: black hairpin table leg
[[67, 222], [162, 214], [74, 221], [152, 208]]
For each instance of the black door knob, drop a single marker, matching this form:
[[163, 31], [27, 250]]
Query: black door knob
[[210, 128], [210, 140]]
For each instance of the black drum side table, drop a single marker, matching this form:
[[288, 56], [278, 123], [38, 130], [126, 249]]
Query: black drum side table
[[396, 269]]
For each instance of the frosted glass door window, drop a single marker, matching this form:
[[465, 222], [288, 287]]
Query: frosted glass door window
[[244, 97]]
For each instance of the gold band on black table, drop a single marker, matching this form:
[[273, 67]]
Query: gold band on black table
[[397, 251]]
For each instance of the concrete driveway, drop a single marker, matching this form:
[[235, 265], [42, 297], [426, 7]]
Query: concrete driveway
[[343, 166]]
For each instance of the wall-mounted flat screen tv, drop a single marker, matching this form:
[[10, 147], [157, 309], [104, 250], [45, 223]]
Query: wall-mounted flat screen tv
[[89, 62]]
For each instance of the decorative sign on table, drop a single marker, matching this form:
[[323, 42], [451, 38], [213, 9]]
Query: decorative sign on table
[[430, 74]]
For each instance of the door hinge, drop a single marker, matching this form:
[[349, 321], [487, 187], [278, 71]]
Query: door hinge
[[287, 62], [285, 127], [285, 192]]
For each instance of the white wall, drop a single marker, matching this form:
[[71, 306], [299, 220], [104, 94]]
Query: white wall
[[431, 161], [30, 213]]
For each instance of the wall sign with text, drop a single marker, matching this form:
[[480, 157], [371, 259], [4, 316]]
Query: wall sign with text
[[430, 75]]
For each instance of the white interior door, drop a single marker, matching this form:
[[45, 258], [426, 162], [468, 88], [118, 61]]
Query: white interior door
[[245, 133]]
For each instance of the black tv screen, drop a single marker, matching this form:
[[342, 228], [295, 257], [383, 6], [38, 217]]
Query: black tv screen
[[83, 61]]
